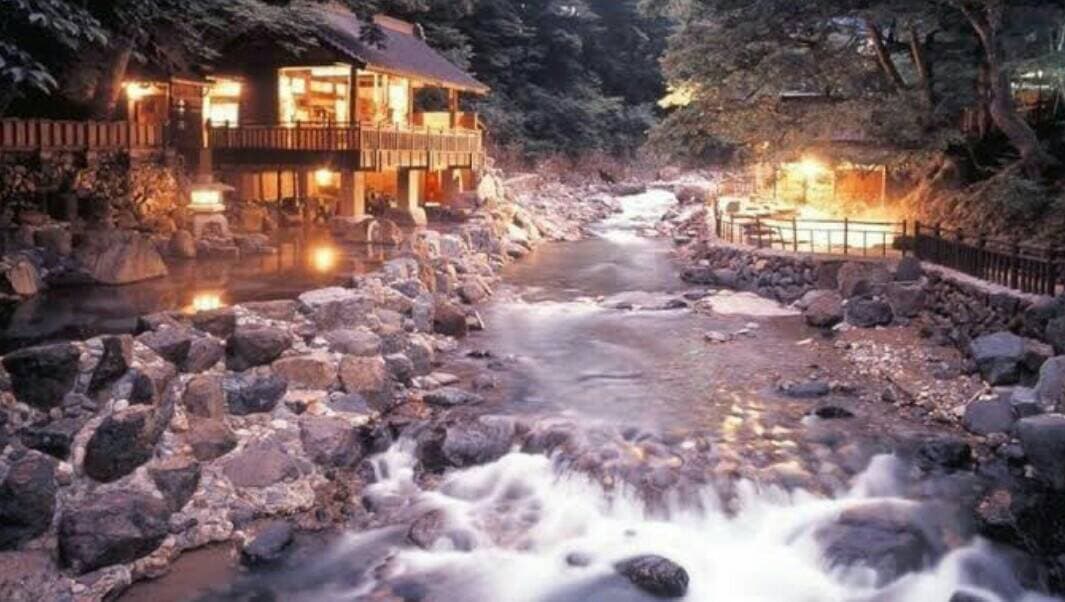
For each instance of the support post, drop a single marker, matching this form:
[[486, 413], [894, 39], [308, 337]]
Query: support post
[[846, 236], [352, 202], [451, 184], [410, 191]]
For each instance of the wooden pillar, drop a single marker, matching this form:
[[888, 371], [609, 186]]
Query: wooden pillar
[[451, 184], [409, 198], [352, 202], [453, 107]]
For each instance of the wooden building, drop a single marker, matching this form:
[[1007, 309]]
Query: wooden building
[[339, 121]]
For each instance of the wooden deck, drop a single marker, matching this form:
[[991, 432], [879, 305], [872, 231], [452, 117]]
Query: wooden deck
[[23, 135], [359, 146]]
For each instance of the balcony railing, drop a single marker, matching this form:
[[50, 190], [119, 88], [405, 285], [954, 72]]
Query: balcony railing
[[332, 137], [51, 135]]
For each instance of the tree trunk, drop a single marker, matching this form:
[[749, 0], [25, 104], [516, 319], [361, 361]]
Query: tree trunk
[[109, 87], [986, 23], [876, 38], [923, 69]]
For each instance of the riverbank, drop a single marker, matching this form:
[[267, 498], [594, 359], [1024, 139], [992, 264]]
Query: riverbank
[[120, 452]]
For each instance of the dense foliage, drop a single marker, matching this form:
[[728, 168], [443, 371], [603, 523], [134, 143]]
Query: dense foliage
[[569, 76]]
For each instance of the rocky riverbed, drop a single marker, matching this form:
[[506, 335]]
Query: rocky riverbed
[[587, 427]]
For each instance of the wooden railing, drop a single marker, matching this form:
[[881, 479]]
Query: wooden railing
[[49, 135], [829, 237], [1029, 268], [339, 137]]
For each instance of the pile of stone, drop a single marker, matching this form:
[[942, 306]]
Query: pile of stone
[[121, 452]]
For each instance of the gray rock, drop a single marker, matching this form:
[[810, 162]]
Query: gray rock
[[111, 528], [400, 367], [255, 346], [31, 576], [1055, 334], [283, 310], [725, 277], [906, 299], [41, 376], [951, 453], [123, 260], [1050, 390], [427, 529], [220, 322], [172, 344], [253, 392], [805, 389], [867, 312], [1025, 402], [115, 359], [269, 545], [336, 308], [55, 438], [466, 444], [449, 319], [177, 480], [27, 499], [358, 341], [204, 353], [987, 416], [122, 442], [909, 270], [367, 376], [825, 310], [1000, 357], [332, 442], [260, 465], [1043, 440], [655, 575], [859, 279], [451, 396], [877, 538]]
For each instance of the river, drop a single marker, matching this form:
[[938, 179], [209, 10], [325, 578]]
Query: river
[[675, 446]]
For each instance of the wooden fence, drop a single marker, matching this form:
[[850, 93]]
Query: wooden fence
[[339, 137], [50, 135], [829, 237], [1029, 268]]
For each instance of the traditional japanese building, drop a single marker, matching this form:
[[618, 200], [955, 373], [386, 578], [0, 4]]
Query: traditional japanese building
[[343, 122]]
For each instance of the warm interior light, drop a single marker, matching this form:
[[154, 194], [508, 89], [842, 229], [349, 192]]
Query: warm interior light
[[206, 197], [324, 177], [138, 90], [206, 301], [324, 259], [810, 168]]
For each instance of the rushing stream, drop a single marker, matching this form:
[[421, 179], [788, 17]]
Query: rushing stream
[[663, 444]]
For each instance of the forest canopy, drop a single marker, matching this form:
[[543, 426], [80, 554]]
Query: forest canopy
[[568, 76]]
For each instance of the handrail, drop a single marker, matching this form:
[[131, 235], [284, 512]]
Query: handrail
[[50, 134]]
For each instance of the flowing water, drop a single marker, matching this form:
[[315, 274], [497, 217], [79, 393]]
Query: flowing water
[[672, 447]]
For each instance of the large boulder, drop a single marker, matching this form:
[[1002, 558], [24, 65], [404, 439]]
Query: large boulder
[[867, 312], [330, 441], [108, 528], [369, 377], [879, 536], [1005, 358], [859, 278], [906, 299], [123, 259], [656, 575], [1050, 390], [268, 546], [312, 371], [909, 269], [467, 443], [449, 319], [27, 499], [253, 392], [252, 346], [335, 308], [987, 416], [41, 376], [122, 442], [824, 310], [1043, 440]]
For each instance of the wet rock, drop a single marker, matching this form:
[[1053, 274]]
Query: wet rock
[[27, 499], [825, 310], [906, 299], [868, 312], [467, 444], [987, 416], [332, 442], [358, 341], [312, 371], [655, 575], [833, 413], [951, 453], [909, 269], [210, 439], [172, 344], [177, 480], [220, 322], [451, 397], [253, 392], [121, 443], [578, 559], [878, 538], [260, 465], [204, 353], [115, 359], [123, 260], [1043, 440], [805, 389], [255, 346], [1050, 389], [205, 397], [41, 376], [1003, 358], [336, 308], [269, 545], [449, 319], [55, 438], [427, 529], [111, 528], [367, 376]]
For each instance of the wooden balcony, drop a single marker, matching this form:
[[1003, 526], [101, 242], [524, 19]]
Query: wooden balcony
[[356, 146], [35, 135]]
